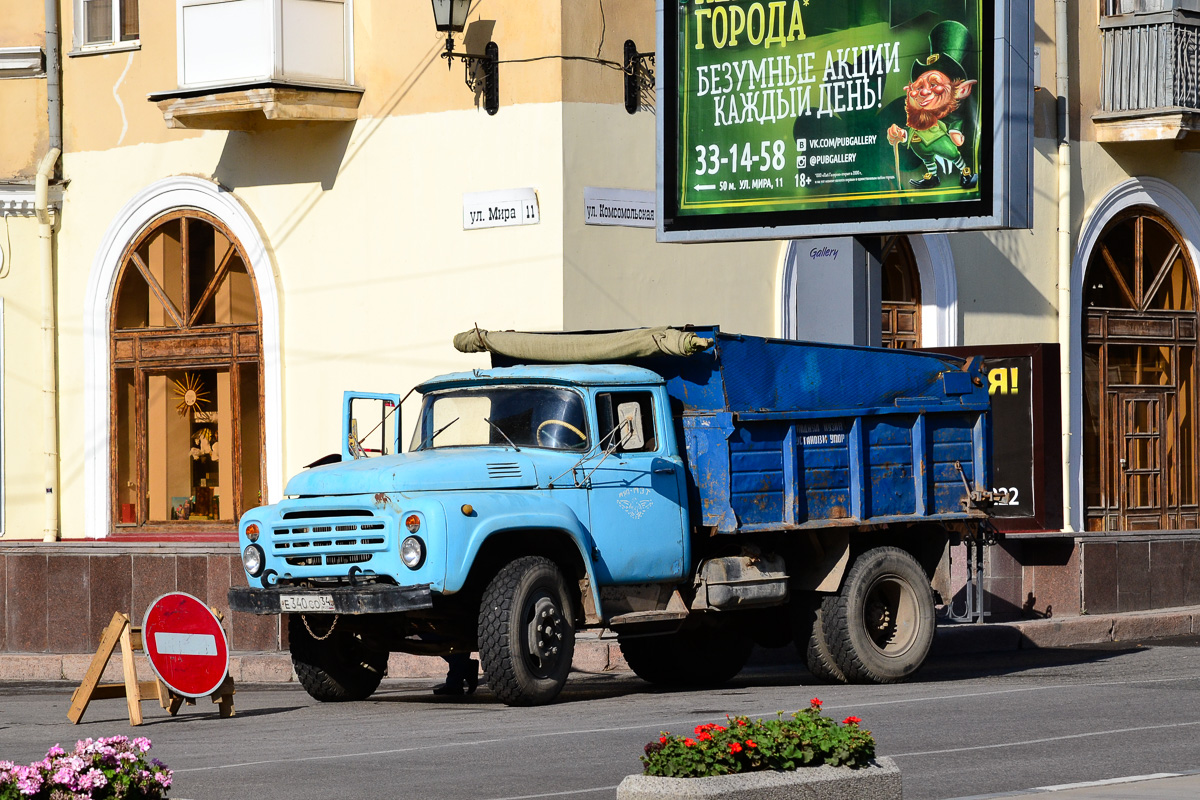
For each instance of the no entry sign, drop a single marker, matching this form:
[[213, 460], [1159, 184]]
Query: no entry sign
[[186, 645]]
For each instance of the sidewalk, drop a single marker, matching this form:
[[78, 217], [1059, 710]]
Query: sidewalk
[[596, 652], [1171, 787]]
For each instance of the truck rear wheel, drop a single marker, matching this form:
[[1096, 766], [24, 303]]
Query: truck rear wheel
[[526, 632], [880, 626], [690, 659], [811, 642], [337, 667]]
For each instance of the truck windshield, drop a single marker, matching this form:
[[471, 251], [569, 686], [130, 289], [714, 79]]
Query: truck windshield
[[524, 416]]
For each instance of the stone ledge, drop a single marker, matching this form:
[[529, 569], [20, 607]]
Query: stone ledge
[[878, 781]]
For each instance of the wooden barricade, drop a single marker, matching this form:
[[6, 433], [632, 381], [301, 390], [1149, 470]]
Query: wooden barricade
[[135, 692]]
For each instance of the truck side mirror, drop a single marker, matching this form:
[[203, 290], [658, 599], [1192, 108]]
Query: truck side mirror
[[629, 421]]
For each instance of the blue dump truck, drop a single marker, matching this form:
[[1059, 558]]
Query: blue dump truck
[[694, 491]]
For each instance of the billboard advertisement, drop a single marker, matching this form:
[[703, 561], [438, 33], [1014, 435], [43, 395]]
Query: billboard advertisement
[[784, 118]]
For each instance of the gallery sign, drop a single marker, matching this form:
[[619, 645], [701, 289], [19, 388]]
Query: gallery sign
[[786, 118]]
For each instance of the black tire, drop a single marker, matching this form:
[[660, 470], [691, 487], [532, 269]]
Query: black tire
[[334, 669], [526, 632], [693, 659], [811, 641], [880, 626]]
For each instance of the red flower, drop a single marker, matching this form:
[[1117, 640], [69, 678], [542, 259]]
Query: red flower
[[662, 740], [742, 722], [750, 743], [718, 727], [816, 702], [689, 742], [704, 737], [735, 748], [851, 721]]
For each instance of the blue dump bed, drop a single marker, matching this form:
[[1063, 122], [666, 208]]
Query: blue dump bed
[[782, 434]]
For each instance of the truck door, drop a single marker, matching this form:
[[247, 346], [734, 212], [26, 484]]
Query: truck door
[[370, 425], [635, 492]]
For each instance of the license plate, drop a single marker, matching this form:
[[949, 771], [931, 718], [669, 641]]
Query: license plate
[[306, 602]]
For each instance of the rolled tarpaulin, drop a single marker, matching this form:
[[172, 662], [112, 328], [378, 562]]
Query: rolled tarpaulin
[[582, 348]]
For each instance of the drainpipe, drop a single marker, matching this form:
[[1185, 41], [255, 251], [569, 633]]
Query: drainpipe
[[1061, 33], [49, 375], [53, 78]]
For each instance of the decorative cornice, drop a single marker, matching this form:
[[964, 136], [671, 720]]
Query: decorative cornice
[[17, 200], [22, 62]]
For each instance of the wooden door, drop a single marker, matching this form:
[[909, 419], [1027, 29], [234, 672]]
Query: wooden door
[[1143, 502]]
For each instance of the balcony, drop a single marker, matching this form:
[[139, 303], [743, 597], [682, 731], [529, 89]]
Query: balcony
[[250, 64]]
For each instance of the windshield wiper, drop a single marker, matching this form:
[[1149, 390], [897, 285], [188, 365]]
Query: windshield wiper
[[502, 433], [433, 435]]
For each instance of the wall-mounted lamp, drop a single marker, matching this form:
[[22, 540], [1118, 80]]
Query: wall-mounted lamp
[[450, 17], [639, 76]]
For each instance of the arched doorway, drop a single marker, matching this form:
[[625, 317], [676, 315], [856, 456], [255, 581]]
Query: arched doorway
[[1139, 377], [900, 291], [186, 378]]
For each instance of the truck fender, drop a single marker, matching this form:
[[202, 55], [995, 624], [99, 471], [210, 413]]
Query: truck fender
[[827, 556], [526, 514]]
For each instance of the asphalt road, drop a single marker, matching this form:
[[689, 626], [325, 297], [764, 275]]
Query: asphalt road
[[971, 725]]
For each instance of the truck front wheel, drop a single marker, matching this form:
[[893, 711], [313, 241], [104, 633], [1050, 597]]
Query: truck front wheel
[[336, 667], [526, 632], [880, 626], [691, 659]]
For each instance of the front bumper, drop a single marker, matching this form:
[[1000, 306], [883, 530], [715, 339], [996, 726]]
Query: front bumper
[[373, 599]]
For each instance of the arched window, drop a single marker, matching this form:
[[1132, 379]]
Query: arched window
[[186, 378], [901, 293], [1139, 381]]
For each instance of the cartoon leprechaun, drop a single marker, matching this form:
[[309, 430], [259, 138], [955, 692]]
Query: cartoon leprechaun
[[939, 83]]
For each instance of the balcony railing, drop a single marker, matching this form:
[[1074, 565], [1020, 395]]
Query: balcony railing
[[241, 63], [1150, 87]]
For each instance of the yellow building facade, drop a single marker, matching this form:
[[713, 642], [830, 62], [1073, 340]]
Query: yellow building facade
[[262, 203]]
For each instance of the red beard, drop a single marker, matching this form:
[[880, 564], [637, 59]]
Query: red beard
[[922, 119]]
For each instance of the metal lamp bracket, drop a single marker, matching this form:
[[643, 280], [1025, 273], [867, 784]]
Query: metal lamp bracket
[[639, 75], [480, 73]]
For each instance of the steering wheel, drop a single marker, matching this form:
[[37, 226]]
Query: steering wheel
[[538, 434]]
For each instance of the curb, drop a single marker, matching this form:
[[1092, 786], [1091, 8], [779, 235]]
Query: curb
[[955, 639], [599, 653]]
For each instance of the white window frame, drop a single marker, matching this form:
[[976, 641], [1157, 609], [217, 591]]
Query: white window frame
[[82, 45]]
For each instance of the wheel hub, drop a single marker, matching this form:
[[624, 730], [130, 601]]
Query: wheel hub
[[545, 631], [890, 616]]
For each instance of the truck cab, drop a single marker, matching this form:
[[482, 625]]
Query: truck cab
[[577, 467]]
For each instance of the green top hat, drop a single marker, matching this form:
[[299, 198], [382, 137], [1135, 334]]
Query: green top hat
[[947, 45]]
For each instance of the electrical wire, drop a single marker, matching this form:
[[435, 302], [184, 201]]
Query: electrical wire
[[601, 61], [603, 28]]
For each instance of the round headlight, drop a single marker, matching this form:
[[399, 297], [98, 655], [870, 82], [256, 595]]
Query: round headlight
[[413, 523], [252, 560], [412, 552], [252, 532]]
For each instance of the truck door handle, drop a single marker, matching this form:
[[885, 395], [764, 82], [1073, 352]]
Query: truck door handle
[[663, 467]]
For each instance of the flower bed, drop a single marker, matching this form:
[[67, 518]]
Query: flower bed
[[100, 769], [808, 755], [808, 739]]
